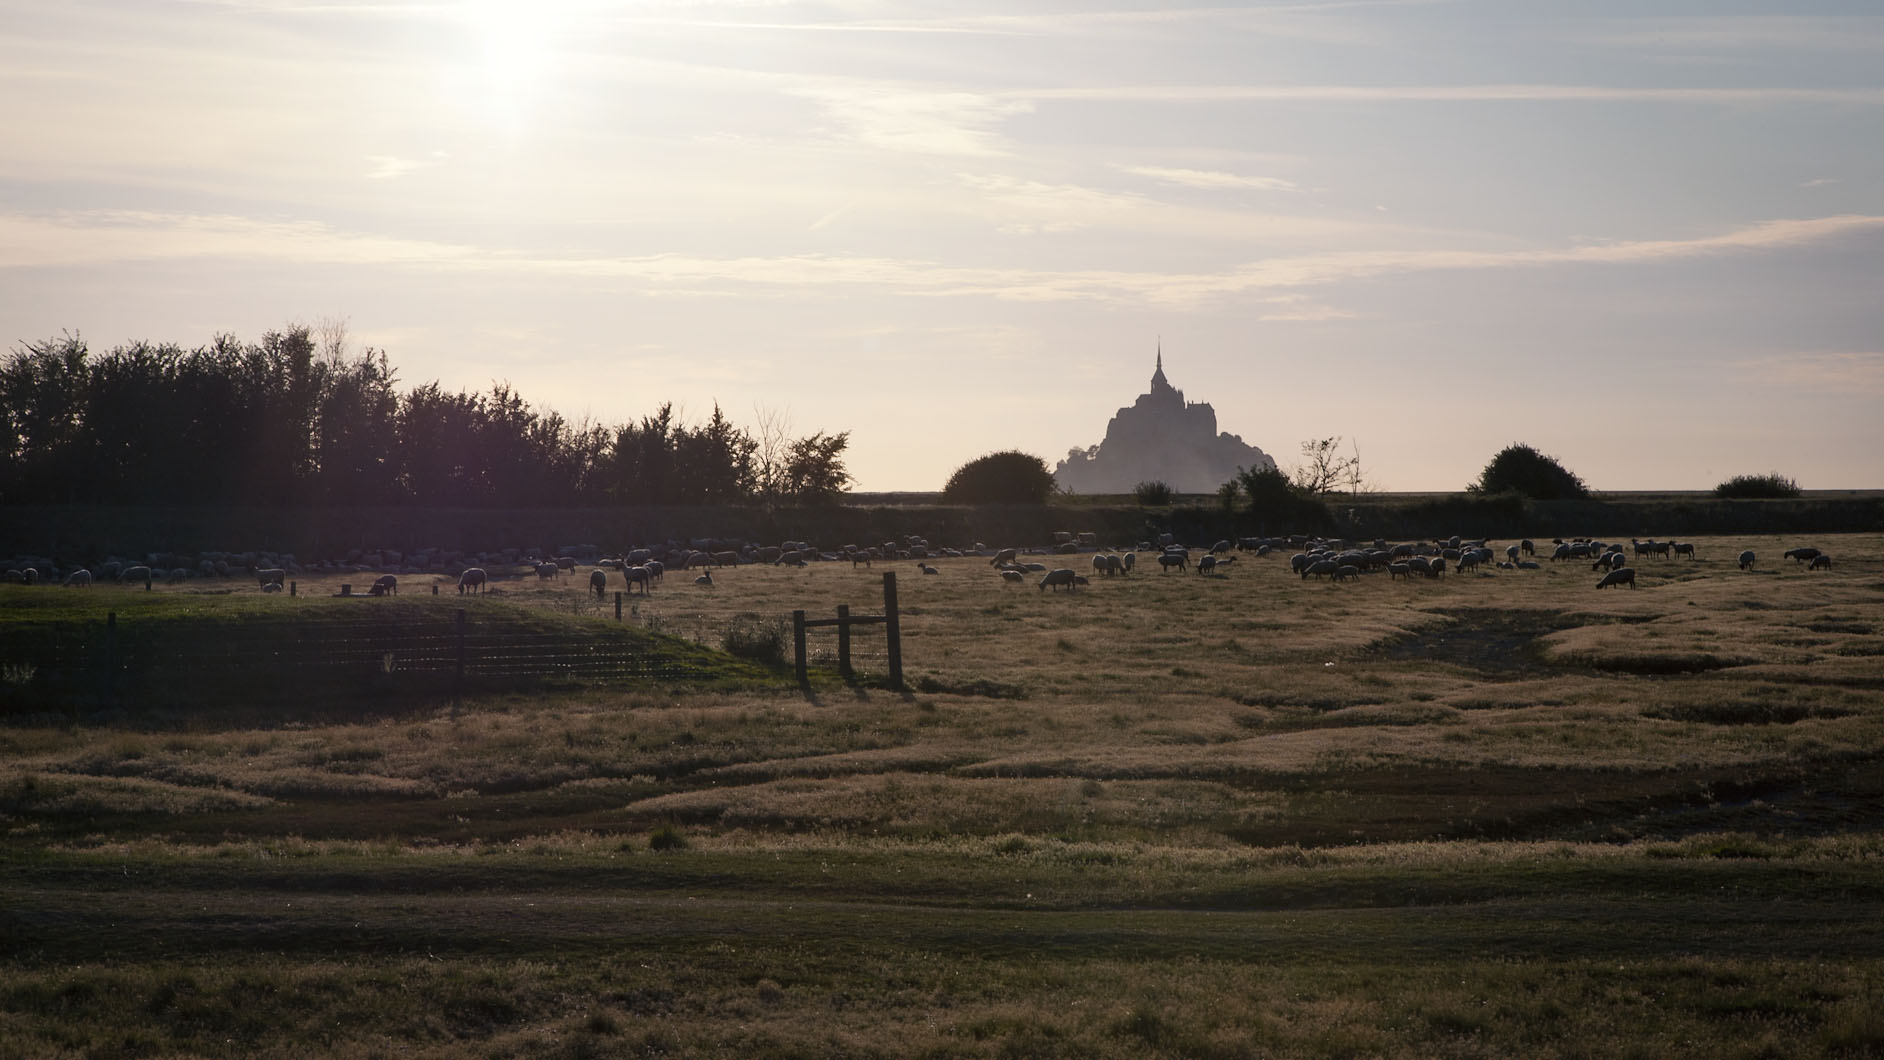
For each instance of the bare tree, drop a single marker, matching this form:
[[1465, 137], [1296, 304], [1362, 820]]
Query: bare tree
[[773, 455], [1324, 469]]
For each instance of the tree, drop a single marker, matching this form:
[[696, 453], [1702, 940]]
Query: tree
[[1522, 469], [814, 468], [1323, 469], [1009, 477], [1771, 486]]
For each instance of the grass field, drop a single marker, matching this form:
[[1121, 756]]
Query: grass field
[[1160, 815]]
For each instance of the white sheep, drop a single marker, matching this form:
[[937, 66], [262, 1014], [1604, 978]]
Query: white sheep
[[1746, 560], [1056, 578], [705, 580], [273, 574], [384, 585], [79, 577], [472, 580], [598, 581], [638, 576], [135, 574], [1820, 562], [1012, 576]]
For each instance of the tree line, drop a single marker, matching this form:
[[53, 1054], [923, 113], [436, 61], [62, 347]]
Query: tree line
[[297, 419]]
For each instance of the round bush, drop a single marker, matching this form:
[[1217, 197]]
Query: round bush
[[1009, 477], [1758, 487], [1522, 469]]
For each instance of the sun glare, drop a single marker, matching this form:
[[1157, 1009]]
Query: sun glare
[[513, 46]]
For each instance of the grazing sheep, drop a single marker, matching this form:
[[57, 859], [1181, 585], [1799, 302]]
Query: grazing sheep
[[545, 570], [1528, 546], [1511, 553], [1467, 561], [1056, 578], [1684, 549], [1746, 560], [1167, 560], [638, 576], [1820, 562], [1207, 565], [273, 575], [1006, 555], [1012, 576], [79, 577], [598, 581], [565, 563], [1345, 571], [1127, 561], [384, 585], [1619, 576], [859, 556], [1099, 563], [135, 574], [1321, 568], [472, 580], [1399, 570], [1562, 551], [1801, 555]]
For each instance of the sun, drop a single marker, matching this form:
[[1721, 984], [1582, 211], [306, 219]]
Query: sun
[[513, 47]]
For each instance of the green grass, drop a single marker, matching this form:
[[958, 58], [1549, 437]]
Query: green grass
[[1161, 816]]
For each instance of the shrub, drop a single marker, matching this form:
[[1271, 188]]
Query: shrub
[[667, 837], [1153, 494], [1522, 469], [1769, 486], [1009, 477], [758, 639]]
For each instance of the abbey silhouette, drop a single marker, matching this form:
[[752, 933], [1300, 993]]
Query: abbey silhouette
[[1160, 438]]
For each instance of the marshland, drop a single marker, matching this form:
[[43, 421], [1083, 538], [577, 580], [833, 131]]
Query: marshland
[[1161, 814]]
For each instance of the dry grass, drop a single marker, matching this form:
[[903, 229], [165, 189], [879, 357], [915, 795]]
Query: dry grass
[[1163, 815]]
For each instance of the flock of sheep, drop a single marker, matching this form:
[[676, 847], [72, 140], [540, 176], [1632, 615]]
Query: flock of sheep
[[644, 568]]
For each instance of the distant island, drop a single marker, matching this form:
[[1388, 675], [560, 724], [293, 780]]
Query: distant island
[[1160, 438]]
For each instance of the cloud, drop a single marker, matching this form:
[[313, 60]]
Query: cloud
[[898, 118], [1210, 179], [1050, 207], [95, 238], [1820, 182], [1820, 373], [1468, 93]]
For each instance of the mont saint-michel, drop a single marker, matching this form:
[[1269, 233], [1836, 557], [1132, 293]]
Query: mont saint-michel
[[1160, 438]]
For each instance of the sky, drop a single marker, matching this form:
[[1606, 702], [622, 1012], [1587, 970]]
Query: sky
[[1645, 237]]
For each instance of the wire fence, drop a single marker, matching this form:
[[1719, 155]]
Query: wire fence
[[131, 663]]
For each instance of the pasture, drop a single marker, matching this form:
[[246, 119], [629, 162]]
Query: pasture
[[1163, 814]]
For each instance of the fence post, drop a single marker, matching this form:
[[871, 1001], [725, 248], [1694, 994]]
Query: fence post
[[894, 628], [798, 647], [111, 657], [618, 605], [843, 640]]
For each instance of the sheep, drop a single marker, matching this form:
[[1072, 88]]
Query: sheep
[[638, 576], [545, 570], [384, 585], [1127, 561], [1746, 560], [1525, 564], [272, 587], [79, 577], [1820, 562], [657, 571], [859, 556], [1167, 560], [926, 569], [1012, 576], [472, 580], [1399, 570], [1801, 555], [1207, 565], [135, 574], [1619, 576], [1467, 561], [1220, 548], [726, 559], [1684, 549], [1511, 553], [705, 580], [1346, 571], [1562, 551], [1056, 578], [1321, 568], [1006, 555], [598, 581], [1528, 546]]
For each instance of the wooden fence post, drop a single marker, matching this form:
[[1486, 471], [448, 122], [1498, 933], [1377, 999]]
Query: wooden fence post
[[893, 627], [618, 605], [798, 647], [843, 640]]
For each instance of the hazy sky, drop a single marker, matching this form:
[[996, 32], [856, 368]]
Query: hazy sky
[[1645, 237]]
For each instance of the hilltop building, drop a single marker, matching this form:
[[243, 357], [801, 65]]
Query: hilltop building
[[1160, 438]]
